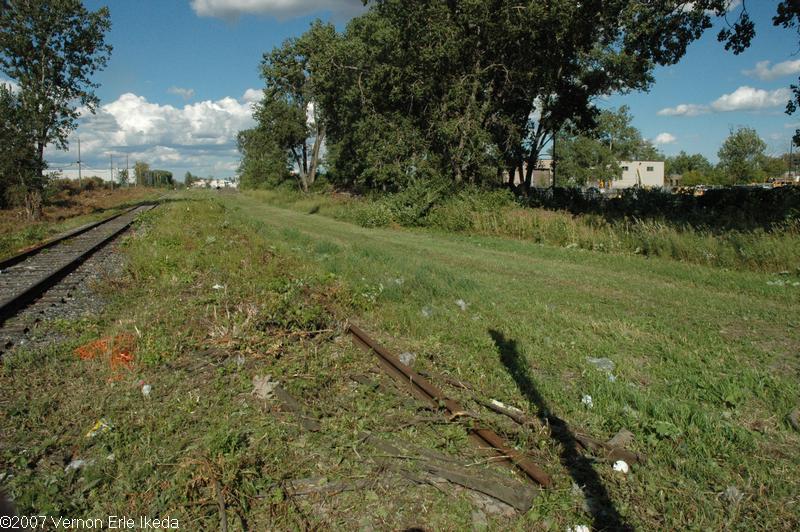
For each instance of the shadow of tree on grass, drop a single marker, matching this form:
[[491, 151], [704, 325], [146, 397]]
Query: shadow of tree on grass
[[604, 514]]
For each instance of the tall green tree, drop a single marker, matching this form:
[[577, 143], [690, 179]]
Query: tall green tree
[[264, 163], [288, 112], [471, 88], [740, 156], [18, 166], [52, 48], [141, 170], [683, 163]]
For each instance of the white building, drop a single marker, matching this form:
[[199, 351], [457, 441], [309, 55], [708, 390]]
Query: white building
[[640, 174]]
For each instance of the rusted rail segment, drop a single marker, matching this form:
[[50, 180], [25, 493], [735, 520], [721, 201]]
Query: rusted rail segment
[[423, 389]]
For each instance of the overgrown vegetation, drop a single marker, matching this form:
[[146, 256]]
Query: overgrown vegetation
[[751, 230], [703, 382], [66, 207]]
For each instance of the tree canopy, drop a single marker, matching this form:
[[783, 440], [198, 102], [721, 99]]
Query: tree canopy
[[469, 91]]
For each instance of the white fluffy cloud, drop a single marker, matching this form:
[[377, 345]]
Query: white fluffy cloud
[[200, 137], [747, 99], [742, 99], [253, 95], [232, 9], [12, 85], [684, 109], [765, 72], [665, 138], [183, 93]]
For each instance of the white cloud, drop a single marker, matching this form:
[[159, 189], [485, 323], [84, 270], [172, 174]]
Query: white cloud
[[183, 93], [765, 72], [198, 136], [233, 9], [742, 99], [747, 98], [665, 138], [253, 95], [684, 109], [12, 85]]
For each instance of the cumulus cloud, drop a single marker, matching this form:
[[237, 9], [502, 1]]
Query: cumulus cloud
[[747, 99], [233, 9], [12, 85], [742, 99], [665, 138], [183, 93], [765, 72], [684, 109], [198, 136], [253, 95]]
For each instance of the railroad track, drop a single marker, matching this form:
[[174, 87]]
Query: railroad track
[[31, 278]]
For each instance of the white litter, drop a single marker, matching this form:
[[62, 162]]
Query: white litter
[[407, 358], [495, 402], [579, 528], [427, 311], [587, 400], [218, 287], [240, 360], [146, 389], [75, 465], [461, 304], [621, 466]]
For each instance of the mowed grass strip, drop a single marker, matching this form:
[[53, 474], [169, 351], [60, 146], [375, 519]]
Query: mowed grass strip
[[706, 360]]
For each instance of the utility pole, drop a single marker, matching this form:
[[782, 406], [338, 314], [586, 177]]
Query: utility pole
[[127, 172], [79, 163], [111, 168], [791, 165]]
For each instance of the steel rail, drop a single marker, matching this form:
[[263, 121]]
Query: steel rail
[[13, 304], [423, 389], [29, 252]]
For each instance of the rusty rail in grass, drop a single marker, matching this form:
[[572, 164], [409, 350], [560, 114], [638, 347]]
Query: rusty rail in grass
[[423, 389]]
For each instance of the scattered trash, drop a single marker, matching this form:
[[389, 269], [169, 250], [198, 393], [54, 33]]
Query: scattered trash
[[75, 465], [399, 281], [621, 466], [218, 287], [100, 427], [111, 457], [732, 495], [623, 438], [407, 358], [264, 386], [579, 528], [510, 408], [587, 400], [605, 365], [427, 312], [146, 389], [240, 360], [781, 282], [461, 304], [119, 350]]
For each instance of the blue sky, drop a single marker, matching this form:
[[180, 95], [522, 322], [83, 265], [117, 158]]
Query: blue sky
[[183, 75]]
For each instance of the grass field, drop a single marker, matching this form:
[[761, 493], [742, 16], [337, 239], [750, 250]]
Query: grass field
[[705, 375]]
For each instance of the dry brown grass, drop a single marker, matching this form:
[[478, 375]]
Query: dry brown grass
[[63, 213]]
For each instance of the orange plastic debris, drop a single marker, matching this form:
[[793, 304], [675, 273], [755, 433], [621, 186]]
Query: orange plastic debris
[[118, 349]]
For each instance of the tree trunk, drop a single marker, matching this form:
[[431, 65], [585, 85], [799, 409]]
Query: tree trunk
[[318, 140]]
